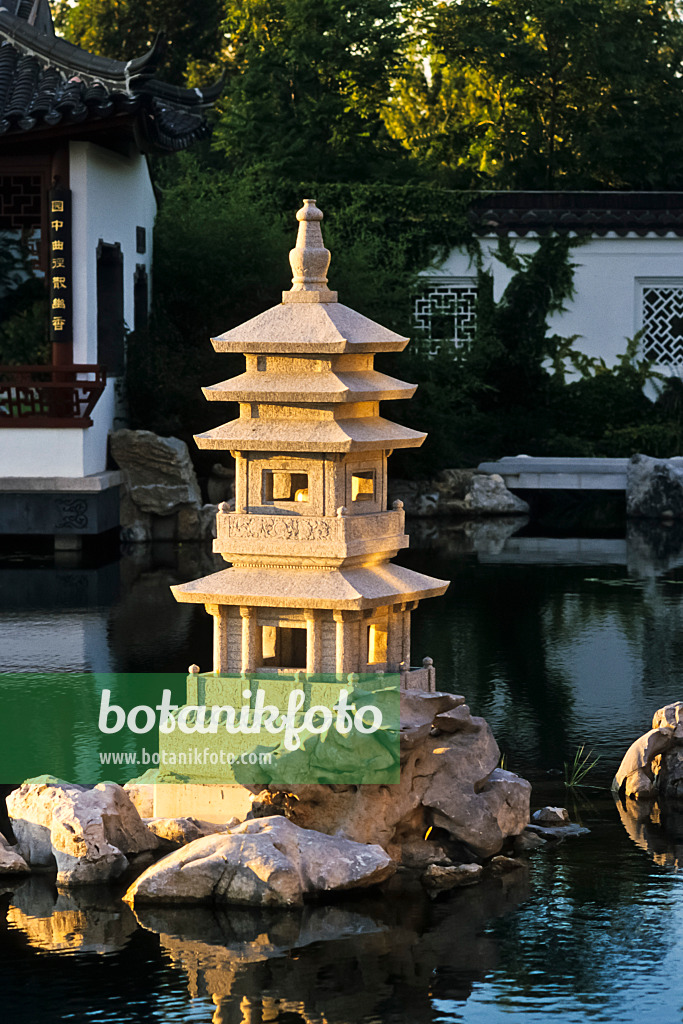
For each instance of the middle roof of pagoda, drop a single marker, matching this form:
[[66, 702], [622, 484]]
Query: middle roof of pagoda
[[309, 320], [322, 386]]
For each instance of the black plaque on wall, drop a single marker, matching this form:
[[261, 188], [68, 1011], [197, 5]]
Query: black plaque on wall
[[60, 265]]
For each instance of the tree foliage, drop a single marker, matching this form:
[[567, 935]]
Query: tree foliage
[[124, 29], [578, 93], [379, 108], [308, 82], [23, 305]]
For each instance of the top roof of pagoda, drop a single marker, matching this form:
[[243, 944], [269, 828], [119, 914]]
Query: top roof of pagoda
[[49, 84], [309, 320]]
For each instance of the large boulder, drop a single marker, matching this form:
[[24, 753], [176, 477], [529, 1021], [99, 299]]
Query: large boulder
[[489, 496], [671, 715], [634, 777], [654, 487], [89, 834], [449, 778], [265, 862], [158, 473], [653, 764], [668, 767], [458, 492]]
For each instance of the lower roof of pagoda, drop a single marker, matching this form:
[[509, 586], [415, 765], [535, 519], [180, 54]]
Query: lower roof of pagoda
[[326, 386], [309, 327], [358, 434], [332, 589]]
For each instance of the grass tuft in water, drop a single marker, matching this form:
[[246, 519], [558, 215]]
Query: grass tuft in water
[[576, 772]]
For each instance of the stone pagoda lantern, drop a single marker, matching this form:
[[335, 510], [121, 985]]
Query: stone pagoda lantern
[[311, 586]]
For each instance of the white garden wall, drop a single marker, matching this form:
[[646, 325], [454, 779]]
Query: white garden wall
[[612, 275]]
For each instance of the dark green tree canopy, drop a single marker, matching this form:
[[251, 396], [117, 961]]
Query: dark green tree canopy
[[124, 29], [309, 81], [587, 93]]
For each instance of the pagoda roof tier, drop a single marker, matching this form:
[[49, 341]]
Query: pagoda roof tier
[[334, 589], [327, 386], [310, 435], [49, 84], [309, 327]]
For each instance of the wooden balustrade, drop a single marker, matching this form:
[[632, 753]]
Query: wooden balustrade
[[50, 396]]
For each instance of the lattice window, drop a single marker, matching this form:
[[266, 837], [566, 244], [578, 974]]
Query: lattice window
[[20, 201], [663, 323], [446, 312]]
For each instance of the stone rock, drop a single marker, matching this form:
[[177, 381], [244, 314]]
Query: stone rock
[[669, 778], [527, 842], [173, 833], [11, 862], [417, 498], [634, 773], [196, 523], [503, 865], [420, 853], [490, 497], [551, 816], [455, 719], [265, 862], [142, 797], [158, 473], [450, 780], [640, 784], [136, 525], [88, 833], [654, 487], [440, 876], [458, 492], [419, 711], [653, 765], [484, 815], [670, 715]]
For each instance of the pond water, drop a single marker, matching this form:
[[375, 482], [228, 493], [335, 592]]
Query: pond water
[[558, 644]]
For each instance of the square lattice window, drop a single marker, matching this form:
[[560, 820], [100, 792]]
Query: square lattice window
[[662, 321], [447, 311]]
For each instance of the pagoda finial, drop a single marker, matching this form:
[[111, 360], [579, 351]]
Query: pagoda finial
[[309, 259]]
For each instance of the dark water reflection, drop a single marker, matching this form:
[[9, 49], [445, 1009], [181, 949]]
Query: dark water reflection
[[557, 646], [592, 932]]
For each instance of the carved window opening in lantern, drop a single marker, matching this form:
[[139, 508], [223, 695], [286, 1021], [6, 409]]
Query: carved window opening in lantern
[[284, 647], [363, 486], [279, 485], [377, 644]]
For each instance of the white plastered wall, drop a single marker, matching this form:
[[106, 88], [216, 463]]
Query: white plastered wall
[[608, 280], [111, 195]]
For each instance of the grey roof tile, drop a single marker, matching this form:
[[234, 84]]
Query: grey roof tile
[[45, 81], [582, 213]]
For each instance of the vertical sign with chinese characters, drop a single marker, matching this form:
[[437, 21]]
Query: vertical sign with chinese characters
[[59, 265]]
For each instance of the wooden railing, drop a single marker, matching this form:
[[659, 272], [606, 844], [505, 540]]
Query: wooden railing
[[49, 396]]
